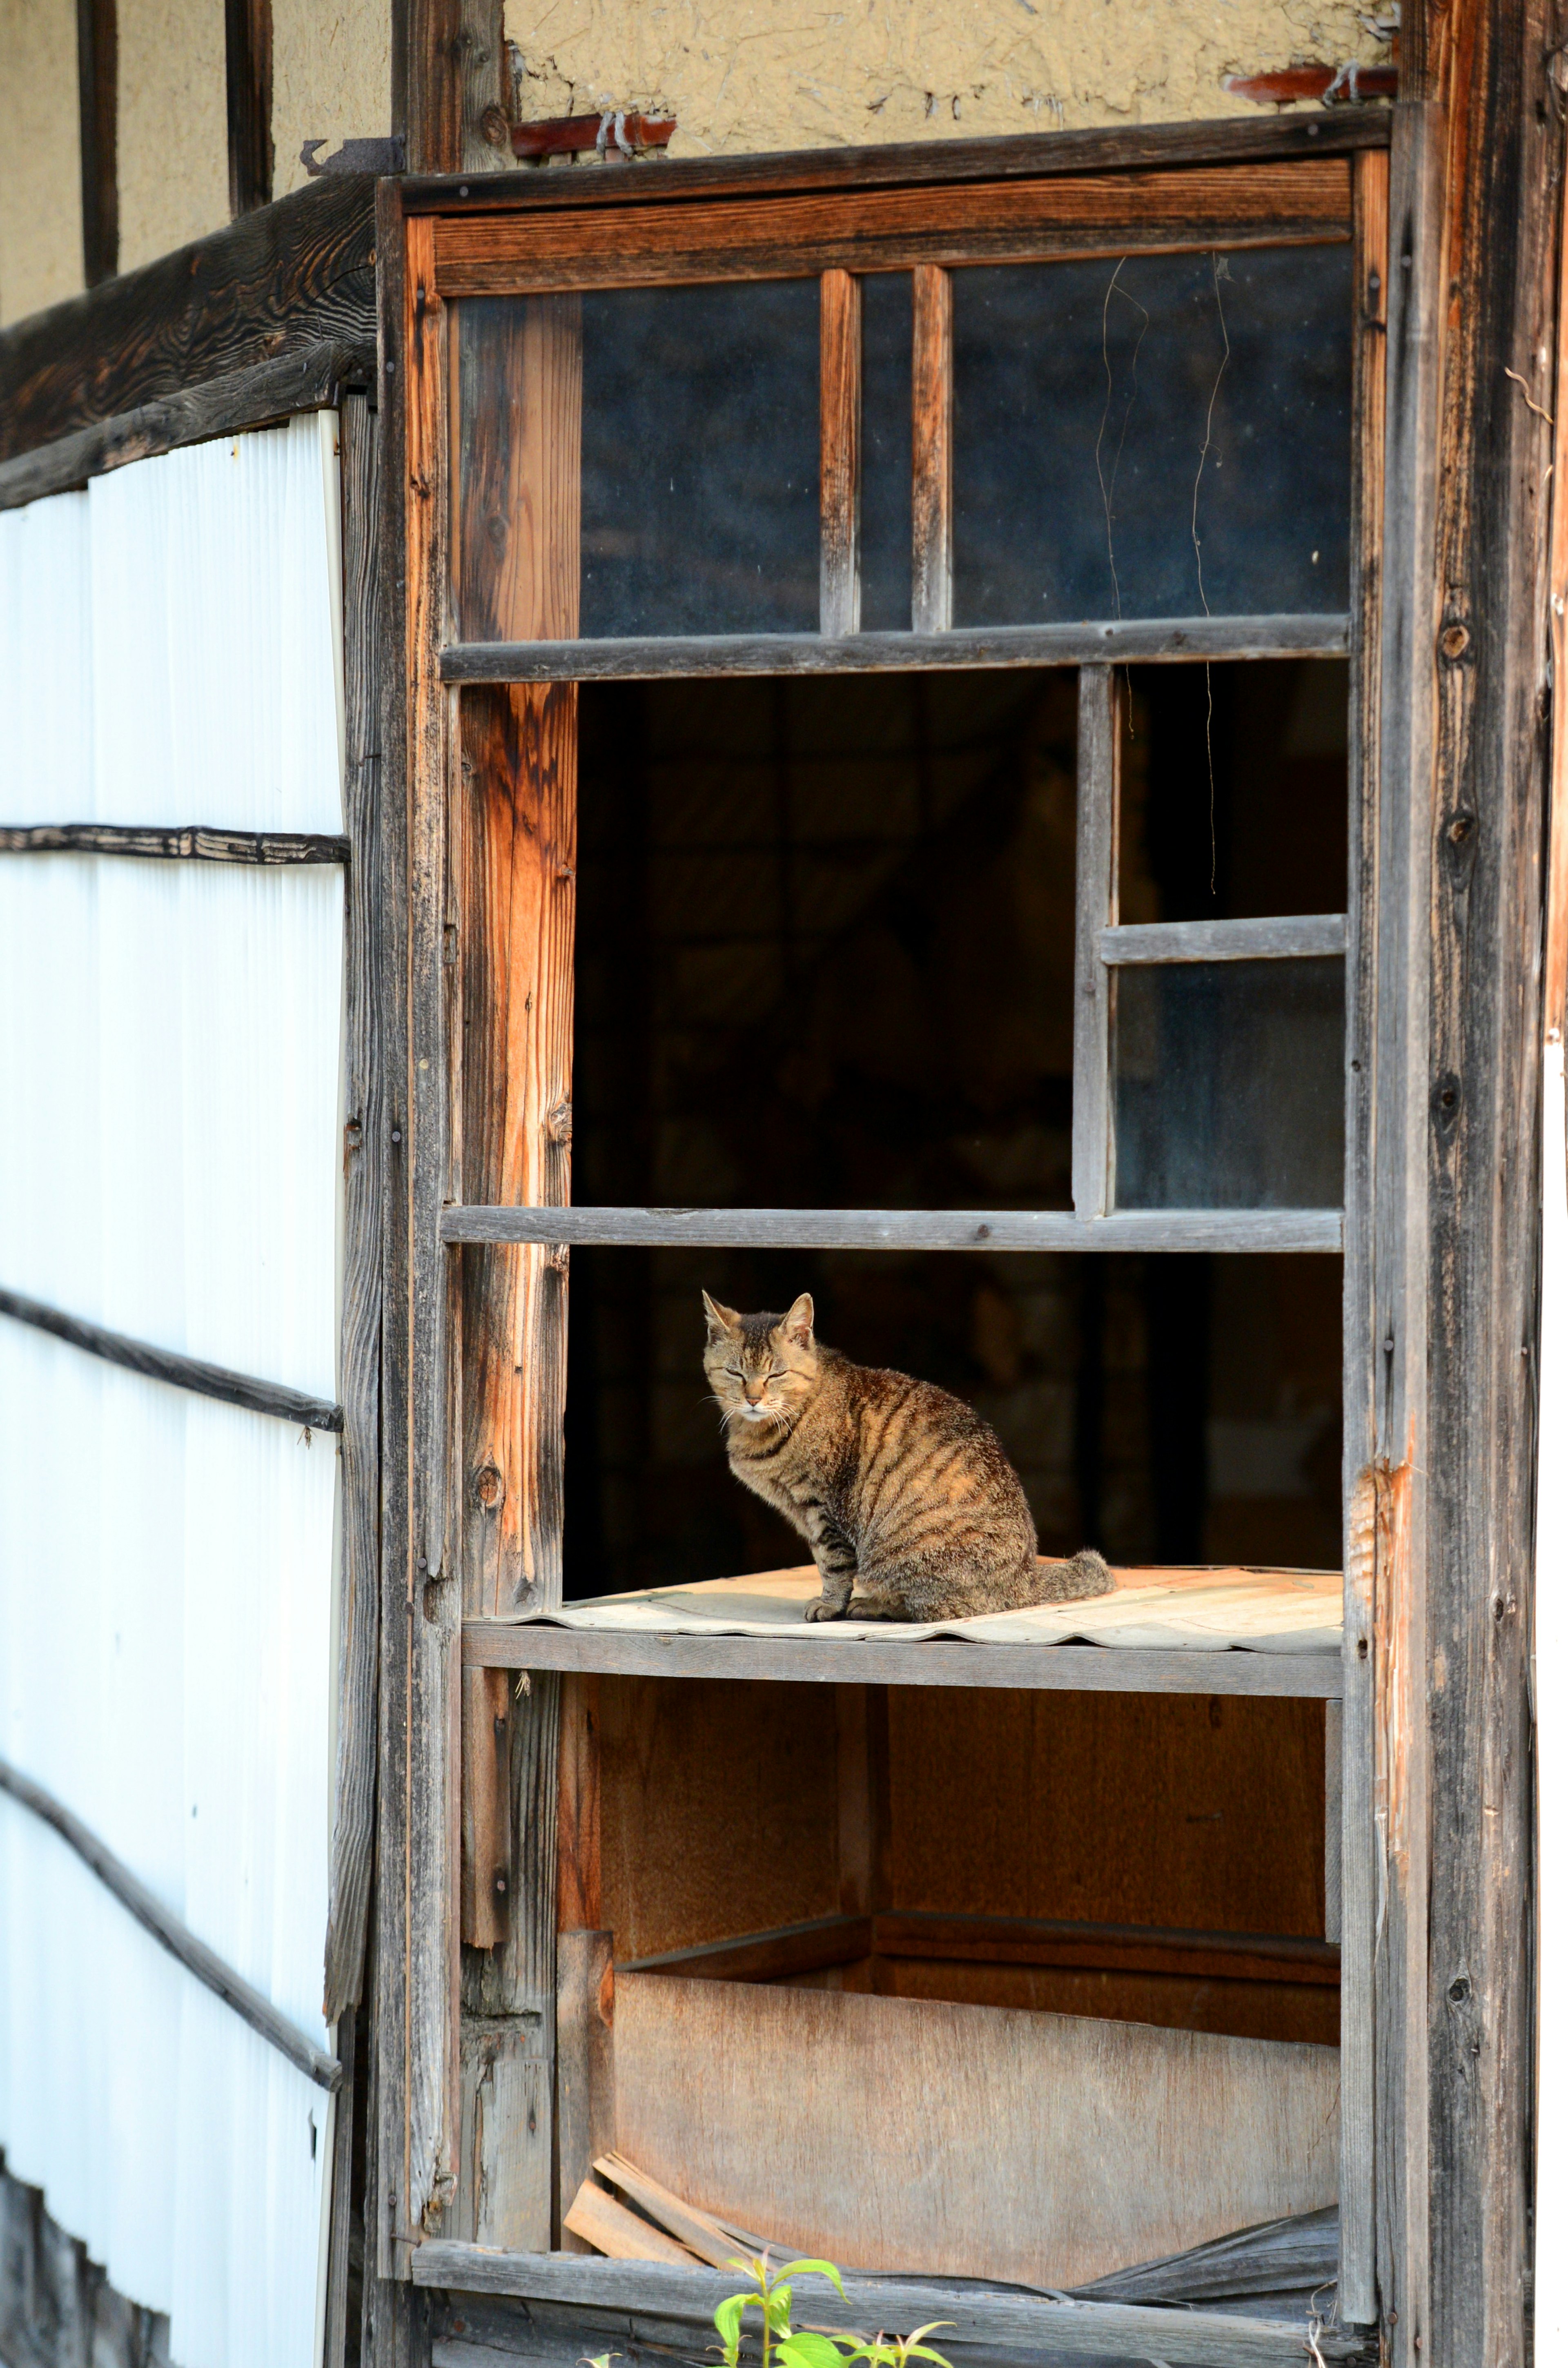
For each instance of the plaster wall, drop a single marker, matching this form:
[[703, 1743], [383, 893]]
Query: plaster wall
[[797, 74], [40, 164], [331, 78], [174, 137]]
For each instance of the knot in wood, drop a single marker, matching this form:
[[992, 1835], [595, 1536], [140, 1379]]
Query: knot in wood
[[558, 1125], [487, 1485], [1454, 640], [493, 123]]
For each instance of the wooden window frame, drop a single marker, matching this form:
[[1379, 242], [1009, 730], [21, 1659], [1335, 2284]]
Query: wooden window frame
[[489, 885]]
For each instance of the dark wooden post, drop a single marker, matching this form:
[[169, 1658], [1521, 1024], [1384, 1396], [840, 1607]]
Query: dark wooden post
[[98, 83], [448, 91]]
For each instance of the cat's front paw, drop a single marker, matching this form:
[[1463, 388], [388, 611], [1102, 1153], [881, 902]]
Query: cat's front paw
[[820, 1608]]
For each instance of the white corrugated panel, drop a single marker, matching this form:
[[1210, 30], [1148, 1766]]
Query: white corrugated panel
[[46, 663], [169, 1165]]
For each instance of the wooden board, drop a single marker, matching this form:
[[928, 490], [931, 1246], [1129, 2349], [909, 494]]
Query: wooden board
[[922, 2136], [1242, 205]]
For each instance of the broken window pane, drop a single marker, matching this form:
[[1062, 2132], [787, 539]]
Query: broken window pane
[[1162, 436], [887, 523], [1229, 1089]]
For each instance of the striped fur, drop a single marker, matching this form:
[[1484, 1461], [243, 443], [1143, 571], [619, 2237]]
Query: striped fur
[[905, 1496]]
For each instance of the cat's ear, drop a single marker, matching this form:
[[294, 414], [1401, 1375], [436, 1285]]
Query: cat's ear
[[720, 1317], [797, 1324]]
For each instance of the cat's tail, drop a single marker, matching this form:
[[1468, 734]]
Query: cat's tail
[[1084, 1574]]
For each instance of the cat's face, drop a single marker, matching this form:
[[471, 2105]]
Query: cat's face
[[762, 1368]]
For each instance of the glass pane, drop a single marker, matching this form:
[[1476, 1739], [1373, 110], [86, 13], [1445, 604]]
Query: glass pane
[[1229, 1089], [887, 527], [1156, 437], [700, 460], [1234, 791]]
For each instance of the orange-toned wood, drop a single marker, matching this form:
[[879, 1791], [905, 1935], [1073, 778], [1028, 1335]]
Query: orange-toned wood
[[1109, 213], [840, 606], [932, 588], [578, 1874]]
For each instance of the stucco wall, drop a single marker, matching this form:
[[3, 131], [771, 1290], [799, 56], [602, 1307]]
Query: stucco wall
[[797, 74], [40, 169], [174, 135], [331, 78]]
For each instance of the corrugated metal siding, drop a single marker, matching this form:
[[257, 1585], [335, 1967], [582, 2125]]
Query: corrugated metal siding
[[169, 1163]]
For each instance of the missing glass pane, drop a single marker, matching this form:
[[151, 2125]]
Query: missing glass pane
[[886, 504]]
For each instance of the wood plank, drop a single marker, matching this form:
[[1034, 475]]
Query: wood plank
[[1070, 2148], [447, 58], [865, 1810], [1197, 209], [189, 843], [1343, 130], [313, 380], [501, 2197], [1096, 907], [840, 464], [1299, 2252], [1357, 1864], [931, 597], [579, 1891], [180, 1371], [485, 1874], [342, 2233], [610, 2227], [820, 1658], [292, 276], [98, 92], [1333, 1818], [781, 1954], [698, 2231], [1176, 640], [247, 54], [1259, 1230], [585, 2062], [1306, 936], [364, 1216]]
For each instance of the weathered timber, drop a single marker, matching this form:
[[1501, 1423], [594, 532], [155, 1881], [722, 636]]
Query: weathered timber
[[976, 2315], [341, 2232], [839, 606], [931, 579], [170, 1933], [818, 1657], [364, 1209], [447, 62], [165, 1365], [584, 2064], [865, 1808], [1346, 130], [578, 1860], [1096, 908], [57, 2306], [1302, 936], [290, 277], [508, 254], [933, 1229], [1358, 1879], [248, 57], [97, 94], [1299, 2254], [1176, 640], [188, 843], [311, 379]]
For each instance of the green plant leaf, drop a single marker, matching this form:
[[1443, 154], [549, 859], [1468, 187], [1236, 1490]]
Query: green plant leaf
[[807, 2348], [727, 2320], [819, 2269]]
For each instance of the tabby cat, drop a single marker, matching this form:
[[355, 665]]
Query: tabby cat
[[905, 1496]]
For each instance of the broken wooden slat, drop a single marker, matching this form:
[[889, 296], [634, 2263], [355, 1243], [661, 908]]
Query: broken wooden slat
[[610, 2229], [840, 466], [698, 2231], [931, 597]]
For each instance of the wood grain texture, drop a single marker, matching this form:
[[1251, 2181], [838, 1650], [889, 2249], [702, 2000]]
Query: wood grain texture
[[608, 2227], [931, 583], [905, 1229], [840, 464], [1304, 936], [823, 1659], [1358, 1865], [698, 2231], [502, 2194], [579, 1889], [1070, 2148], [1175, 640], [247, 60], [585, 2062], [190, 843], [503, 254], [1096, 910], [292, 276], [97, 94], [342, 2235], [364, 1211], [165, 1365], [486, 1859], [448, 60]]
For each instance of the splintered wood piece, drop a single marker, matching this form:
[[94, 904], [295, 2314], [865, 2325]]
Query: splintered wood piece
[[610, 2229], [932, 594], [841, 347], [705, 2237]]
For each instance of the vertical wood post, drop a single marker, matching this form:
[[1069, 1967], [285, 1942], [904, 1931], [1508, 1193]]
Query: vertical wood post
[[840, 468], [449, 89], [247, 29], [585, 1982], [98, 85], [1099, 762], [932, 596], [865, 1815]]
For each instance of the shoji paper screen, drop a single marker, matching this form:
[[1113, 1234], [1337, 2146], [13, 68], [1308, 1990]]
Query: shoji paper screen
[[169, 1164]]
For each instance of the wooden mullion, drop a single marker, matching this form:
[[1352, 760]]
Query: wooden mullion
[[98, 83], [931, 599], [990, 1230], [247, 29], [1095, 909], [840, 467]]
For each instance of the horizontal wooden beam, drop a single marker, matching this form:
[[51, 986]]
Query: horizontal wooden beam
[[268, 289], [912, 164], [188, 842], [1305, 934], [972, 2313], [816, 1657], [171, 1934], [165, 1365], [1155, 640], [1249, 1230], [311, 380]]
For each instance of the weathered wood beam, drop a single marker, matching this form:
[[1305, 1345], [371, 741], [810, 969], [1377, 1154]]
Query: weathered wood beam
[[1306, 936], [903, 1229], [170, 1365], [187, 843], [247, 30], [97, 87], [448, 91], [272, 286]]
